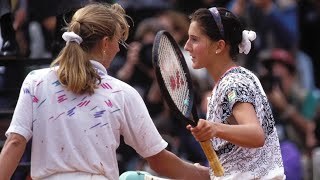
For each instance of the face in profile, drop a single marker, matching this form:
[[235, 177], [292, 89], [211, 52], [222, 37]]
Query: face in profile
[[111, 50], [199, 47]]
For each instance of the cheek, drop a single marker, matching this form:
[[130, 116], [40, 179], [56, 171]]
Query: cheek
[[195, 49], [199, 50], [114, 50]]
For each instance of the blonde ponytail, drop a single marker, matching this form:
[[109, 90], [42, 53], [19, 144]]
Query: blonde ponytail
[[90, 25], [75, 70]]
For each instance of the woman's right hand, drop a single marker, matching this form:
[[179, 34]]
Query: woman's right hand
[[205, 130]]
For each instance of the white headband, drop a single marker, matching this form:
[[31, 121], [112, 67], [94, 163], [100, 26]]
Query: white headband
[[247, 38], [71, 37]]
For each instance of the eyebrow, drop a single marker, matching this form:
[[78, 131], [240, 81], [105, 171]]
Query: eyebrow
[[193, 36]]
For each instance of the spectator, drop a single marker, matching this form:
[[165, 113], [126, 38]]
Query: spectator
[[309, 27], [9, 46], [294, 108], [137, 69], [276, 27]]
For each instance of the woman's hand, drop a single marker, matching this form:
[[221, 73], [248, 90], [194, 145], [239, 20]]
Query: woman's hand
[[246, 131], [205, 130]]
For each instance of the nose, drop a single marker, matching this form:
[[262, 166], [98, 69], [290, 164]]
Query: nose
[[118, 48], [186, 46]]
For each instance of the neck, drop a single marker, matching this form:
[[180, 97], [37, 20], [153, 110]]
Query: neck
[[221, 67]]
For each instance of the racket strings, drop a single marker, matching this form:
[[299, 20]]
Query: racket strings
[[174, 76]]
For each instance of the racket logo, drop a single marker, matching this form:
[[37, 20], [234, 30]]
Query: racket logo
[[176, 81], [186, 102]]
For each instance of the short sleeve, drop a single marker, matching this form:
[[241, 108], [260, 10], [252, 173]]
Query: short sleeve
[[21, 122], [239, 91], [139, 130]]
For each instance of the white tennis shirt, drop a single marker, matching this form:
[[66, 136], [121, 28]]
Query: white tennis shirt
[[72, 134]]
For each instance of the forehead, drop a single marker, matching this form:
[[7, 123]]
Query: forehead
[[195, 29]]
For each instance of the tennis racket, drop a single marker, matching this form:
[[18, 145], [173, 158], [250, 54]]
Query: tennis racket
[[175, 83]]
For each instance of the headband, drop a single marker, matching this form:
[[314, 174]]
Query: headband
[[71, 37], [215, 13]]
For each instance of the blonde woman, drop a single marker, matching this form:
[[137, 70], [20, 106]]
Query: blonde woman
[[75, 112]]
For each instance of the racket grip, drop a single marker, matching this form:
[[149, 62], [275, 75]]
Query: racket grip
[[212, 158]]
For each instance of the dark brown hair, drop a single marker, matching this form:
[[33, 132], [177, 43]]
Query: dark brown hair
[[231, 25]]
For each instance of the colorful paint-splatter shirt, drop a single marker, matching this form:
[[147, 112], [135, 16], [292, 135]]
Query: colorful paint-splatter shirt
[[240, 85], [80, 133]]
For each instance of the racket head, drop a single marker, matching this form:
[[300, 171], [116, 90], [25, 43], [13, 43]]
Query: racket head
[[173, 77]]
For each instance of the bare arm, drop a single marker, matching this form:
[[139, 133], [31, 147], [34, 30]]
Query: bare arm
[[11, 154], [246, 133], [169, 165]]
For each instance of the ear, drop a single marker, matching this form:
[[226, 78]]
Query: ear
[[105, 42], [221, 45]]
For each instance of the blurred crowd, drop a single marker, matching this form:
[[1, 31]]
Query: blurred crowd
[[285, 56]]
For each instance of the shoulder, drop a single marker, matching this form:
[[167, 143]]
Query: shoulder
[[38, 74], [239, 76], [119, 85], [243, 73], [240, 80], [42, 71]]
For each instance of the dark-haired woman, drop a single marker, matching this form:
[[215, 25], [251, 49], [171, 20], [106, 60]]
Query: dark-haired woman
[[239, 121]]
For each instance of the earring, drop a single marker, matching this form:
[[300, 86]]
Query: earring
[[103, 54]]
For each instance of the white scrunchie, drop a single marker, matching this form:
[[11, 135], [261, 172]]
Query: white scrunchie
[[247, 38], [71, 36]]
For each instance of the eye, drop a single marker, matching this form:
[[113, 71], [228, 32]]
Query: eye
[[192, 39]]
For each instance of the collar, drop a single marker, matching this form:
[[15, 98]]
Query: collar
[[99, 66]]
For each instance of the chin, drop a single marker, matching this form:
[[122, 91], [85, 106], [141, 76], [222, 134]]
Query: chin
[[106, 63], [106, 66], [195, 66]]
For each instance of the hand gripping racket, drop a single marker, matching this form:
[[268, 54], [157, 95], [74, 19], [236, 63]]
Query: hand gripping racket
[[175, 83]]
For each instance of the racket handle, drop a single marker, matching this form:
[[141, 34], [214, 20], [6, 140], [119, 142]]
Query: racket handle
[[212, 158]]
